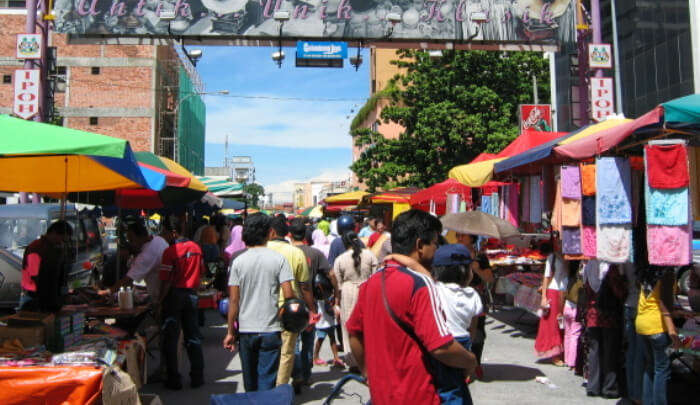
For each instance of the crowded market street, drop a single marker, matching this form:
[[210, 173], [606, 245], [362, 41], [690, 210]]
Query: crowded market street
[[372, 202]]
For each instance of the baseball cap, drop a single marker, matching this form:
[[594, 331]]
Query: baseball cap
[[448, 255]]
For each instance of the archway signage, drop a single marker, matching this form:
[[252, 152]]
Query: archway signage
[[490, 24]]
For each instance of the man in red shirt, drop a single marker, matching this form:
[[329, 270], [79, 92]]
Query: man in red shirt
[[402, 368], [179, 273]]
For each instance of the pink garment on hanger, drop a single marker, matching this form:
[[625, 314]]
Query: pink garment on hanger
[[668, 245], [588, 241]]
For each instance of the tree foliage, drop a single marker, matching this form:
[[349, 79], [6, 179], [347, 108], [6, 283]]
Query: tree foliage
[[452, 108], [255, 191]]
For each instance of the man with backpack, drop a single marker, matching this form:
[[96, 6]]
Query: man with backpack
[[398, 326]]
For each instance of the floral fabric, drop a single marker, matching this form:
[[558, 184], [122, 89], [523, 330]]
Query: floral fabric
[[613, 191], [666, 207], [668, 245], [571, 240], [570, 182], [614, 243], [588, 241]]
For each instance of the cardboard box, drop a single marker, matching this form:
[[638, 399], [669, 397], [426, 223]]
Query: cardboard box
[[31, 328], [29, 335]]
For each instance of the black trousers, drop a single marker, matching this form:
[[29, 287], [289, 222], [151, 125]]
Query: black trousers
[[604, 349]]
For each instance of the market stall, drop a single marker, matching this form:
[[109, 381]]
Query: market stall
[[71, 355], [434, 198]]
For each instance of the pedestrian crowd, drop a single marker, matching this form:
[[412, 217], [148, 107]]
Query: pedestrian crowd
[[610, 323]]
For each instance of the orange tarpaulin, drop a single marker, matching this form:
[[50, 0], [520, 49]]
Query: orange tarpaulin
[[50, 385]]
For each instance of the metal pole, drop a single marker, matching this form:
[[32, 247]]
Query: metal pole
[[616, 55], [553, 88], [535, 96], [597, 30]]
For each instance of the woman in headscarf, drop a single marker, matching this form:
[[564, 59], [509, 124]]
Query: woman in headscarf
[[320, 242], [236, 243]]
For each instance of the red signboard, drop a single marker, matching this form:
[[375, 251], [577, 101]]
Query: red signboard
[[27, 93], [536, 117]]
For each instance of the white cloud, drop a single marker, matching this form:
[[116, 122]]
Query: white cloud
[[293, 124]]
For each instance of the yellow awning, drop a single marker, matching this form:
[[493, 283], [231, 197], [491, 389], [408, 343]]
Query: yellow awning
[[592, 129], [354, 197], [474, 174]]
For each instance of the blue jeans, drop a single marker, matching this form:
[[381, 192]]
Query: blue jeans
[[180, 310], [634, 357], [465, 341], [303, 356], [260, 359], [658, 369]]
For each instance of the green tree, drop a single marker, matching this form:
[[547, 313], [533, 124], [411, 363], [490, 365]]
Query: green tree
[[452, 108], [255, 191]]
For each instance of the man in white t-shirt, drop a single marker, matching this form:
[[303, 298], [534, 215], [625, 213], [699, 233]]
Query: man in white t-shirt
[[145, 265]]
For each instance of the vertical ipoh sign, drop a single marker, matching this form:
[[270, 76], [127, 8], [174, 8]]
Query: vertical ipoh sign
[[602, 101], [26, 102]]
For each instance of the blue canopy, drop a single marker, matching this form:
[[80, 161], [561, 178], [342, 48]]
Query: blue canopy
[[532, 155]]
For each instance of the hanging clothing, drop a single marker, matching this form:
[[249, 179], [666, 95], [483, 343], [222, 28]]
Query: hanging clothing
[[512, 204], [571, 212], [614, 191], [667, 166], [614, 243], [666, 207], [588, 179], [588, 211], [525, 192], [535, 200], [588, 241], [570, 182], [235, 241], [557, 208], [669, 245], [571, 240]]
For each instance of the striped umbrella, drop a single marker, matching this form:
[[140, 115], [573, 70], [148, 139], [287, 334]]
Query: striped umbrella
[[221, 187]]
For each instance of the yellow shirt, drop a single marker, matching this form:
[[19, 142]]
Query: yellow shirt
[[649, 319], [297, 261]]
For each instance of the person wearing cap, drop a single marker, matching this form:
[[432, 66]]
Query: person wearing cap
[[462, 304]]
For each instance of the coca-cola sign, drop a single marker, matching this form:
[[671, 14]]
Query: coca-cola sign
[[526, 22]]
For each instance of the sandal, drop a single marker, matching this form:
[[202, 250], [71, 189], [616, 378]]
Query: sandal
[[320, 362], [339, 363], [558, 363]]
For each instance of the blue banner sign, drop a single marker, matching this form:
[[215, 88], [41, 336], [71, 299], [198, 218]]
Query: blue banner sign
[[322, 50]]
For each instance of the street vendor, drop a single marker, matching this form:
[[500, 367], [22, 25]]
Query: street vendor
[[147, 262], [44, 270]]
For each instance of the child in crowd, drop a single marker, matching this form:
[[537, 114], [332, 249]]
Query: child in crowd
[[462, 304], [326, 327]]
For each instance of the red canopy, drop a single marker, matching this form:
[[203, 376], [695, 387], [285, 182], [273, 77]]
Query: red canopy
[[438, 192], [483, 156], [528, 140]]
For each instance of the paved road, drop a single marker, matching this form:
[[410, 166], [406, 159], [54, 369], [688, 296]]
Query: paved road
[[510, 369]]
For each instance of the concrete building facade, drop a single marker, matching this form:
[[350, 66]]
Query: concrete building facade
[[131, 92]]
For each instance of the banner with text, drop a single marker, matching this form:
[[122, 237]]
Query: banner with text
[[543, 22]]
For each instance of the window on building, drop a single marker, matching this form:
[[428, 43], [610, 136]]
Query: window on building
[[61, 79], [7, 79], [93, 121], [13, 4], [95, 70]]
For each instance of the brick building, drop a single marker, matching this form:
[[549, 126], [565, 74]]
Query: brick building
[[142, 93]]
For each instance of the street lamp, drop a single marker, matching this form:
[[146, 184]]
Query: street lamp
[[176, 144]]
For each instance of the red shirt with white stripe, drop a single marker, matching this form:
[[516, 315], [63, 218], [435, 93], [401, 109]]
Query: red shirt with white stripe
[[182, 264], [396, 369]]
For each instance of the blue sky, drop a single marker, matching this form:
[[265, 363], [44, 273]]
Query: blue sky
[[289, 140]]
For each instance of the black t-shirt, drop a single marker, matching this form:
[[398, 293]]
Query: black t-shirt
[[316, 261]]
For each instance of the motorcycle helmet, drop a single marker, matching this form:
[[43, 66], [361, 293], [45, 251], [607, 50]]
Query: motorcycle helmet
[[323, 288], [345, 224], [294, 316], [223, 307]]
